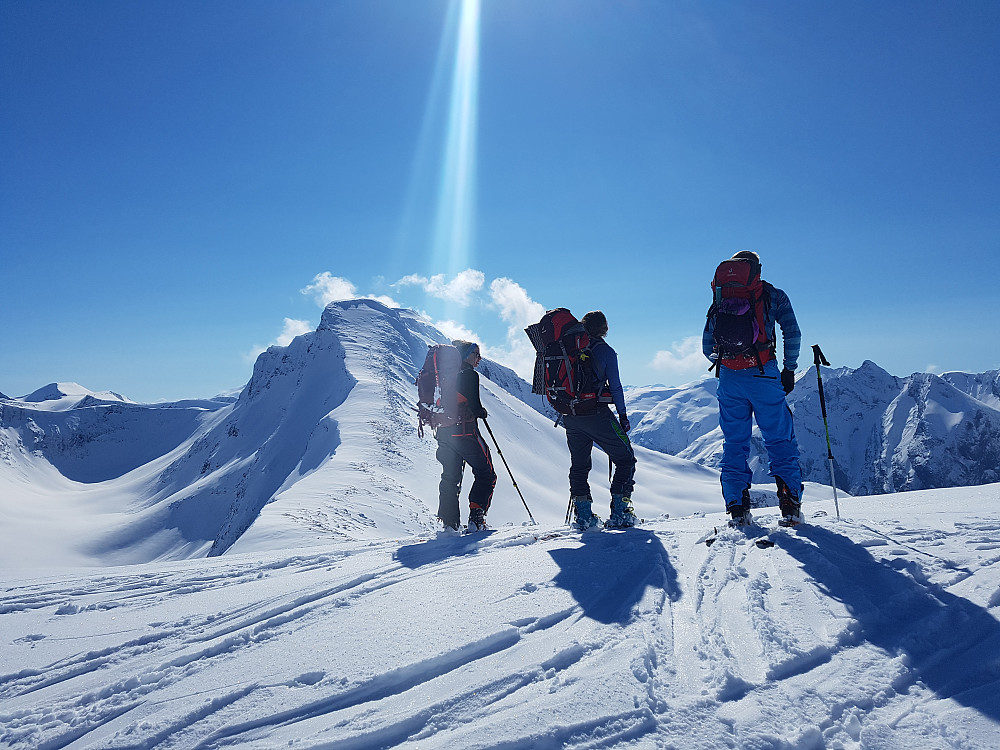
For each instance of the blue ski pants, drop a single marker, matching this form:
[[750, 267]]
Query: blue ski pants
[[745, 395], [601, 428]]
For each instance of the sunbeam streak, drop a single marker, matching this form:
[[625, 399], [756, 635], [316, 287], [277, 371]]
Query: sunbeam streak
[[455, 223]]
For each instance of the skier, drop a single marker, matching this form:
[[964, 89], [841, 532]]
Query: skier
[[461, 444], [750, 386], [601, 427]]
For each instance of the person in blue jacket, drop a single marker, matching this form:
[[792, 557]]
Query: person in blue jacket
[[608, 432], [757, 390]]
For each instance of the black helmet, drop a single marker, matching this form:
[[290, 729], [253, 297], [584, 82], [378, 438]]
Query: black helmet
[[749, 255]]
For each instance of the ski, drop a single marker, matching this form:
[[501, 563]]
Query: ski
[[762, 542]]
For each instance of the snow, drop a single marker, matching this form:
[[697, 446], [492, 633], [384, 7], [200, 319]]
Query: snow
[[875, 631], [63, 396], [264, 572]]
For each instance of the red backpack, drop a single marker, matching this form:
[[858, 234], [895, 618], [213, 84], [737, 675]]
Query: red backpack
[[437, 388], [739, 308], [563, 371]]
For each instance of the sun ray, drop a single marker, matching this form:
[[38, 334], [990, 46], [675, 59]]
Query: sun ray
[[454, 229]]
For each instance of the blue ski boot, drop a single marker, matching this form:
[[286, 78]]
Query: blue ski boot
[[584, 519], [622, 514]]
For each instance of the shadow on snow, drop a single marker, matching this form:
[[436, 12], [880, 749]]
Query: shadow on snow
[[608, 574], [951, 644], [437, 549]]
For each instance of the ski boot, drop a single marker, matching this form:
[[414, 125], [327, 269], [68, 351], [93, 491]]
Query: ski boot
[[788, 504], [622, 513], [477, 521], [739, 513], [584, 518]]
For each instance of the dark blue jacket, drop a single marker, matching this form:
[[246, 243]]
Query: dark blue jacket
[[605, 364]]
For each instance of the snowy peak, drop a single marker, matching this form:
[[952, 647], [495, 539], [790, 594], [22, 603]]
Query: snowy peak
[[984, 387], [321, 443], [935, 435], [64, 396], [670, 419], [887, 433]]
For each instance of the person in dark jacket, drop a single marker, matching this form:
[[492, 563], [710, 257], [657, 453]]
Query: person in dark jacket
[[609, 433], [462, 444], [750, 391]]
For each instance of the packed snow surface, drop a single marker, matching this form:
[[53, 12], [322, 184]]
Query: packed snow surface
[[875, 631]]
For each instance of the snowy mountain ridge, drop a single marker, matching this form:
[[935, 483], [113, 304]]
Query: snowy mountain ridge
[[888, 434], [320, 443]]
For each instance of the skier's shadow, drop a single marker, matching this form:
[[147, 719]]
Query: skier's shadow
[[435, 549], [608, 575], [951, 644]]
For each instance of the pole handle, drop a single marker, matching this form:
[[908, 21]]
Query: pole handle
[[818, 358]]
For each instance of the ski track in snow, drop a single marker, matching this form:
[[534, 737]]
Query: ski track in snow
[[852, 634]]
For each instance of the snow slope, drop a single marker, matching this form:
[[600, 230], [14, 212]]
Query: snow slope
[[878, 631]]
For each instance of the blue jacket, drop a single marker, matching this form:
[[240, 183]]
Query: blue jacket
[[780, 311], [605, 364]]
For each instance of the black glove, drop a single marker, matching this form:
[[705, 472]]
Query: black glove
[[787, 380], [482, 413], [623, 421]]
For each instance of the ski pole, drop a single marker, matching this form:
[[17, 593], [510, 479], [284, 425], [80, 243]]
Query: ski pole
[[819, 359], [500, 453]]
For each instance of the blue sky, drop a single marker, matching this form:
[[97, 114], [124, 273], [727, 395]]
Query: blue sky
[[185, 183]]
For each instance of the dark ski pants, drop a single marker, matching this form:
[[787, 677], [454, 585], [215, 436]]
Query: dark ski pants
[[457, 446], [602, 428], [745, 395]]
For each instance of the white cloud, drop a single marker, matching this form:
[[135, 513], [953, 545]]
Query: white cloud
[[684, 358], [460, 289], [519, 311], [516, 307], [326, 288], [292, 328], [454, 330]]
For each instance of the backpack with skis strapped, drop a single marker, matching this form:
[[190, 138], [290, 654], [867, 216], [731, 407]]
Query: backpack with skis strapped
[[563, 370], [739, 309], [437, 388]]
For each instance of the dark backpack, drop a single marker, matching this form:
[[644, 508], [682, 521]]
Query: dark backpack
[[437, 388], [563, 369], [739, 307]]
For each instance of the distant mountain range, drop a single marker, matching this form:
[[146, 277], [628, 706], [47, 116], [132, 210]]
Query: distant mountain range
[[888, 434]]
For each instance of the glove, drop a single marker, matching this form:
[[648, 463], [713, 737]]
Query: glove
[[483, 414], [787, 380], [623, 421]]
